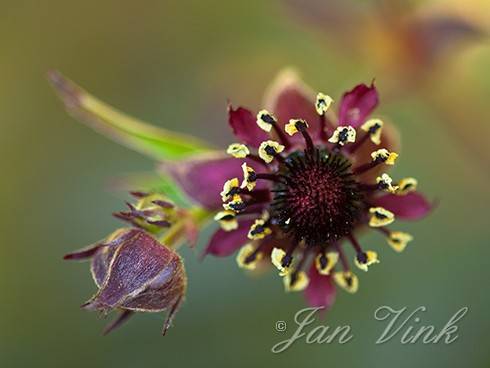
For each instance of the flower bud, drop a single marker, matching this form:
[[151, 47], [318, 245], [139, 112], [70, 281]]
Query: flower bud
[[134, 273]]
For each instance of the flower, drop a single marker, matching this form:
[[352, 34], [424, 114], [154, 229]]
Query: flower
[[311, 182], [298, 186], [133, 270]]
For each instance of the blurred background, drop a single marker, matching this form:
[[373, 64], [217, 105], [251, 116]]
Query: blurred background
[[175, 63]]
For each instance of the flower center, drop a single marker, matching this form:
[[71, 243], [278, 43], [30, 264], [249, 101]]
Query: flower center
[[319, 200]]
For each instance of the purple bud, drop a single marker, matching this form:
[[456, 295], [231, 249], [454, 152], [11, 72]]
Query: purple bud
[[134, 273]]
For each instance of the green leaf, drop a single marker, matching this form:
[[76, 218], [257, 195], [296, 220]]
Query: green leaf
[[150, 140]]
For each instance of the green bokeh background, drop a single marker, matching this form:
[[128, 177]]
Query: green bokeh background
[[175, 63]]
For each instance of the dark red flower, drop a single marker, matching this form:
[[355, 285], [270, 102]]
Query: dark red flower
[[310, 182]]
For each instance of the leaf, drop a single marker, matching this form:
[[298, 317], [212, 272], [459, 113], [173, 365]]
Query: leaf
[[150, 140]]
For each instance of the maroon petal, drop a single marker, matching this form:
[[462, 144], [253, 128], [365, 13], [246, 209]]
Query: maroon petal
[[118, 321], [83, 253], [202, 178], [321, 289], [412, 206], [224, 243], [100, 264], [245, 127], [357, 104], [289, 97]]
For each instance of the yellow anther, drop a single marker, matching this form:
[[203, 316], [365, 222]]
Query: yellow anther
[[380, 217], [322, 103], [398, 240], [295, 125], [325, 263], [385, 183], [227, 220], [230, 189], [407, 185], [347, 281], [265, 120], [249, 177], [366, 259], [269, 149], [238, 150], [277, 256], [343, 135], [296, 282], [385, 156], [247, 257], [235, 205], [374, 127], [258, 230]]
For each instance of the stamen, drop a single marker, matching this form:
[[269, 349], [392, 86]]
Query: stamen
[[277, 258], [323, 103], [407, 185], [300, 125], [238, 150], [365, 259], [373, 128], [380, 217], [266, 121], [325, 263], [295, 125], [236, 204], [270, 149], [385, 183], [347, 281], [385, 156], [259, 230], [230, 189], [380, 156], [248, 257], [398, 240], [249, 177], [296, 281], [343, 135], [227, 220]]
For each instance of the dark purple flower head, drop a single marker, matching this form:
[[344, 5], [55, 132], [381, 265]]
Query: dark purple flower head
[[134, 272], [309, 181]]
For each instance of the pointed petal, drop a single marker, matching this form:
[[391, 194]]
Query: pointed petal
[[288, 97], [224, 243], [84, 253], [150, 182], [321, 289], [202, 177], [244, 125], [118, 321], [357, 104], [170, 316], [150, 140], [412, 206], [100, 264]]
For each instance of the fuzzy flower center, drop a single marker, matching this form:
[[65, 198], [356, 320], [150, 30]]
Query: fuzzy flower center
[[319, 199]]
